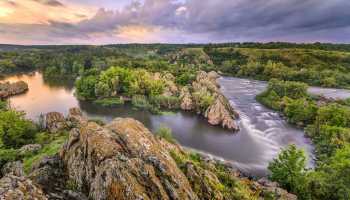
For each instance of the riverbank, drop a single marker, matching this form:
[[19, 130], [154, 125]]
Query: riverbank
[[251, 148], [149, 166]]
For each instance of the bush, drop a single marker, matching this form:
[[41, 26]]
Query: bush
[[300, 111], [203, 99], [15, 131], [165, 133], [270, 99], [161, 101], [291, 89], [7, 155], [3, 105], [85, 87], [334, 115], [288, 169]]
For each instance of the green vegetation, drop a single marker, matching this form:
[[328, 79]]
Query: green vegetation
[[110, 102], [289, 169], [315, 67], [328, 125], [50, 148], [166, 133], [16, 131]]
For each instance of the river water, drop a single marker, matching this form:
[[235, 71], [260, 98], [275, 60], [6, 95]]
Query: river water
[[263, 132]]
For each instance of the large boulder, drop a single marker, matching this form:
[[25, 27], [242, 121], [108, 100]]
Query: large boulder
[[9, 89], [221, 113], [19, 188], [122, 160], [55, 122]]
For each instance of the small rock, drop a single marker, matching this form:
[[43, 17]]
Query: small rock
[[14, 168], [30, 148]]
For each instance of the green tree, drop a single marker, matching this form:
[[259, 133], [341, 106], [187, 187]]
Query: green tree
[[288, 169], [85, 87], [15, 130]]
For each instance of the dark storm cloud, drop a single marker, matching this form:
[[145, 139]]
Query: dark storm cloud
[[217, 21], [231, 20]]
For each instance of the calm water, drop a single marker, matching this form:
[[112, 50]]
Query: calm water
[[263, 132]]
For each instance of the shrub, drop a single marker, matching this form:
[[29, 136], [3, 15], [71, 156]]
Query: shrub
[[165, 133], [291, 89], [288, 169], [15, 131], [300, 111], [85, 87], [334, 115], [7, 155], [161, 101], [3, 105]]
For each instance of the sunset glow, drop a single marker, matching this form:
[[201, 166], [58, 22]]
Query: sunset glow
[[175, 21]]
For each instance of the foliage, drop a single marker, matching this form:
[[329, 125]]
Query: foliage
[[3, 105], [300, 111], [51, 147], [85, 87], [289, 169], [15, 131], [166, 133], [203, 99], [7, 155], [110, 102]]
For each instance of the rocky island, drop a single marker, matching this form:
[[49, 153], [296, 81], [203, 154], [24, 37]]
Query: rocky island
[[124, 160], [8, 89]]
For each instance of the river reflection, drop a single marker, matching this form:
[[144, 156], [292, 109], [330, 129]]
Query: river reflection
[[263, 133]]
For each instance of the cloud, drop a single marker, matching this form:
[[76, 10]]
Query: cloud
[[53, 3], [195, 21]]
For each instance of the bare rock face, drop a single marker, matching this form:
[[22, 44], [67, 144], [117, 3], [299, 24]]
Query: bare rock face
[[54, 122], [221, 113], [19, 188], [186, 99], [9, 89], [15, 168], [122, 160]]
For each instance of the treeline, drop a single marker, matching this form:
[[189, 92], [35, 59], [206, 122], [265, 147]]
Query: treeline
[[327, 123], [315, 67]]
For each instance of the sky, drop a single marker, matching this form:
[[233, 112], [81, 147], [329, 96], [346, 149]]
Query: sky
[[173, 21]]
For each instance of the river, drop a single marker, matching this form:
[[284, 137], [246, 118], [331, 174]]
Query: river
[[263, 132]]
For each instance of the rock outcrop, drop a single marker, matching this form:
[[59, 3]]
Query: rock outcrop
[[122, 160], [205, 90], [8, 89], [17, 188], [54, 122]]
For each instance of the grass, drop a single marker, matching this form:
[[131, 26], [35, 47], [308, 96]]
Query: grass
[[166, 133], [110, 102], [48, 149]]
